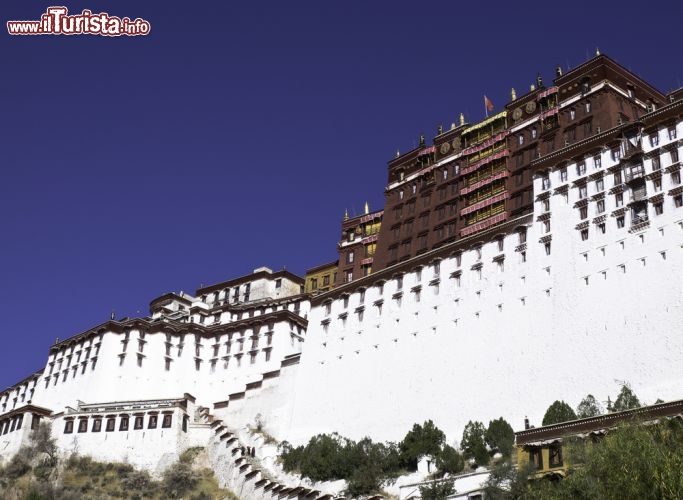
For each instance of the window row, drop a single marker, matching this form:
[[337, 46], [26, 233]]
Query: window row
[[124, 422], [225, 294], [10, 425], [670, 132], [74, 371], [442, 175]]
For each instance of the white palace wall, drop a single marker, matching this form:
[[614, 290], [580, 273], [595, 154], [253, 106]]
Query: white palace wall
[[266, 402], [591, 314], [162, 364]]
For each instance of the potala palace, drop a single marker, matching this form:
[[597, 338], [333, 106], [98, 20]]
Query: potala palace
[[535, 254]]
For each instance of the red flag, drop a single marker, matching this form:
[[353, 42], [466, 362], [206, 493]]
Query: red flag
[[488, 104]]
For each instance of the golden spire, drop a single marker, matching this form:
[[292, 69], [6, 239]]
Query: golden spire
[[346, 214], [367, 208], [462, 119], [513, 94]]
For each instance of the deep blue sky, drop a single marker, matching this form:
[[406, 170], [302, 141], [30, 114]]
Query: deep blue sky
[[235, 134]]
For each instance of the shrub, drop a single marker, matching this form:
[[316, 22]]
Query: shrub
[[178, 479], [84, 465], [506, 481], [364, 480], [43, 470], [188, 456], [19, 465], [136, 481], [121, 469], [437, 490]]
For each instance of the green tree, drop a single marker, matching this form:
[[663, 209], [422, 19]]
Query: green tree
[[42, 442], [626, 400], [449, 461], [558, 412], [365, 465], [588, 407], [290, 456], [327, 457], [372, 465], [500, 436], [437, 490], [473, 443], [426, 439], [506, 481]]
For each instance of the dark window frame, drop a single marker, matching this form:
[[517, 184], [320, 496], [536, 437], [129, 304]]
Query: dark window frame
[[555, 455]]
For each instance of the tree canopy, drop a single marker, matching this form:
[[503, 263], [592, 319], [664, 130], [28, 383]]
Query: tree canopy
[[449, 461], [425, 439], [558, 412], [473, 443], [626, 400], [500, 436], [588, 407]]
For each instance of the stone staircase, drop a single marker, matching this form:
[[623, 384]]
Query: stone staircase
[[236, 461]]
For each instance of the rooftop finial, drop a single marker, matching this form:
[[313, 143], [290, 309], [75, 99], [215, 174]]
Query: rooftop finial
[[539, 81], [597, 51], [452, 125], [112, 316], [398, 153], [346, 214], [532, 87], [513, 94], [422, 140], [367, 208], [558, 71], [462, 119], [439, 130]]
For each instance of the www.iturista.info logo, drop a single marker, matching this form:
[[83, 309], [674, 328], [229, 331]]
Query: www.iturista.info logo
[[57, 21]]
